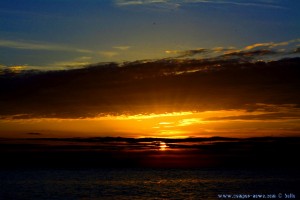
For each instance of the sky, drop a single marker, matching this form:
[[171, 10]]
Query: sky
[[149, 68], [62, 34]]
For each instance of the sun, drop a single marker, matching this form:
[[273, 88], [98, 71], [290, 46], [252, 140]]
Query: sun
[[163, 146]]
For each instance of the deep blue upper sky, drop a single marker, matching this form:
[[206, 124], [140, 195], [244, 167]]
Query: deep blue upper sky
[[48, 34]]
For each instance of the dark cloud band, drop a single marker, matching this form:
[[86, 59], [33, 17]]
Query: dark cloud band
[[150, 87]]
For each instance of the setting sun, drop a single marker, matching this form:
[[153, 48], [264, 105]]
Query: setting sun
[[162, 146]]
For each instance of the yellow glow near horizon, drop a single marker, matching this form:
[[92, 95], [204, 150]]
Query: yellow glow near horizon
[[164, 125], [17, 68]]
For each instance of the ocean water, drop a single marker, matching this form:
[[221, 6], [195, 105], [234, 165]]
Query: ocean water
[[147, 184]]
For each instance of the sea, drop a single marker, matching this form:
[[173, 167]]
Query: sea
[[147, 183]]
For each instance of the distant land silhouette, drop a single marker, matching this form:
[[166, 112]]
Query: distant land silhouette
[[118, 152]]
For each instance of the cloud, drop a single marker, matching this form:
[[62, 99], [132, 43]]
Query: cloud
[[150, 87], [154, 4], [261, 3], [190, 121], [108, 54], [39, 46], [177, 3], [297, 50], [292, 115], [222, 49], [128, 3], [250, 47], [122, 48], [269, 48], [193, 52], [60, 65], [273, 48], [249, 55], [175, 84], [187, 53], [255, 51], [141, 2], [34, 133], [16, 69], [223, 53], [271, 44], [172, 52], [75, 63]]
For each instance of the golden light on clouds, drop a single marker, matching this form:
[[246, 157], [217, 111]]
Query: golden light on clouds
[[164, 125], [17, 69]]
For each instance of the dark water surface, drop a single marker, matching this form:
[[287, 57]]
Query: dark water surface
[[146, 183]]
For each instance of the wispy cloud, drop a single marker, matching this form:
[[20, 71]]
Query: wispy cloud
[[75, 63], [249, 55], [178, 3], [222, 53], [261, 3], [187, 53], [222, 49], [59, 65], [250, 52], [157, 4], [108, 54], [271, 44], [39, 46], [122, 48], [128, 3], [297, 50], [142, 2], [34, 133], [16, 69], [172, 51], [292, 114]]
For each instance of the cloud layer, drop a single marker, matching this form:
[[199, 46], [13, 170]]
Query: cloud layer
[[256, 51], [39, 46], [167, 85], [177, 3]]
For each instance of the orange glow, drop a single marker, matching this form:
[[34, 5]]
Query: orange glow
[[228, 123]]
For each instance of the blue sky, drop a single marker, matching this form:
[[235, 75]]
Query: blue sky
[[60, 34]]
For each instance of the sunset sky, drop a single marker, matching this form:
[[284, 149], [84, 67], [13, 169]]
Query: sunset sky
[[62, 33], [180, 68]]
